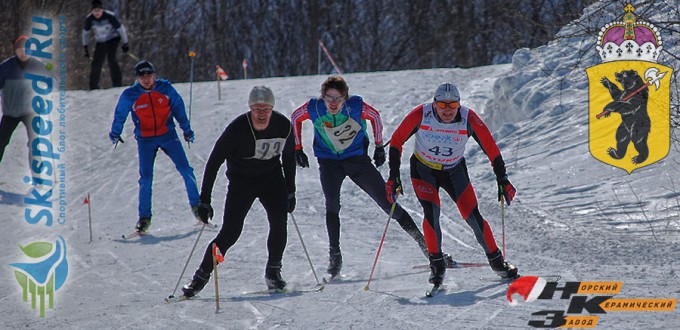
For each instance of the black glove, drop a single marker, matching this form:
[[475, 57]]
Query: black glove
[[125, 48], [301, 158], [86, 53], [189, 136], [379, 155], [204, 212], [115, 138], [393, 187], [291, 202], [505, 189]]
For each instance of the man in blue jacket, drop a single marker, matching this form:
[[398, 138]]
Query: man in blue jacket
[[341, 147], [154, 103]]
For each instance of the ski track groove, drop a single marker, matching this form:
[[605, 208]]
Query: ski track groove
[[259, 316], [444, 231]]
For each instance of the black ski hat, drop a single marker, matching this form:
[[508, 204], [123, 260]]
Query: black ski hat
[[144, 67], [96, 4]]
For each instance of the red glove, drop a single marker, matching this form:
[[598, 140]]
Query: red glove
[[393, 187], [505, 189]]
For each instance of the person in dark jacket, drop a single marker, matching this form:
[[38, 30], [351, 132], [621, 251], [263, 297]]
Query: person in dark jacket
[[442, 128], [154, 105], [108, 33], [259, 150], [16, 92]]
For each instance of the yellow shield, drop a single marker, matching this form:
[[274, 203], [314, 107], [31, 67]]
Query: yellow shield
[[624, 137]]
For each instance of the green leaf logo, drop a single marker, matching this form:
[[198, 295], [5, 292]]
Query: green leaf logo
[[37, 249]]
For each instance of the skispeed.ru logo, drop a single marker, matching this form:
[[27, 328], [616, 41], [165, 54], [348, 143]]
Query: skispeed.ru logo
[[44, 275], [46, 269], [596, 298]]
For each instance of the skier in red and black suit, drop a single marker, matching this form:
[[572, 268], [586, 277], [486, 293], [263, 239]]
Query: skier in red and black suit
[[442, 129], [259, 150]]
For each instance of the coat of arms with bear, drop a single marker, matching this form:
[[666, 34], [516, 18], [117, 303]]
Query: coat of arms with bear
[[631, 103], [636, 89]]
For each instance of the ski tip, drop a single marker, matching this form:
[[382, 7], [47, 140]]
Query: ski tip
[[134, 234], [172, 298]]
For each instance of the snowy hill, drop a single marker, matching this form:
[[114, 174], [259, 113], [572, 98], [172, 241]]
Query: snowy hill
[[573, 216]]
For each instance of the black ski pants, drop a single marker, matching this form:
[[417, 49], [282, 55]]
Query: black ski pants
[[362, 172], [105, 50], [241, 193]]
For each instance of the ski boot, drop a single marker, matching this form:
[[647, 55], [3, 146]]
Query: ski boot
[[334, 263], [501, 267], [437, 268], [197, 283], [448, 259], [272, 276], [143, 225]]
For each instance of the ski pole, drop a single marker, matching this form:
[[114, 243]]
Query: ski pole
[[305, 249], [187, 263], [382, 240], [89, 214], [115, 145], [503, 224], [133, 56], [217, 288], [192, 54]]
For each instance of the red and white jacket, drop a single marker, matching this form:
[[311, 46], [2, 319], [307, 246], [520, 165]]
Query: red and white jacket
[[441, 146]]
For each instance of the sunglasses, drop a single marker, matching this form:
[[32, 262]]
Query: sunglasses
[[333, 99], [444, 105]]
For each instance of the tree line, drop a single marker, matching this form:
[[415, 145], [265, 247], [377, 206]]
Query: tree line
[[281, 38]]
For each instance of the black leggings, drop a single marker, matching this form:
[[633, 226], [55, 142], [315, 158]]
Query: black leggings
[[360, 170], [272, 192]]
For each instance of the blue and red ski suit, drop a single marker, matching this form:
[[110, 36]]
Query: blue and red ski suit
[[152, 113]]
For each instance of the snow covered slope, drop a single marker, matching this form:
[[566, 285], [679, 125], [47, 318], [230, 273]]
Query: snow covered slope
[[573, 216]]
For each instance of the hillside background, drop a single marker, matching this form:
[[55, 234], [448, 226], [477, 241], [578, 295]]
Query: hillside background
[[281, 38]]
